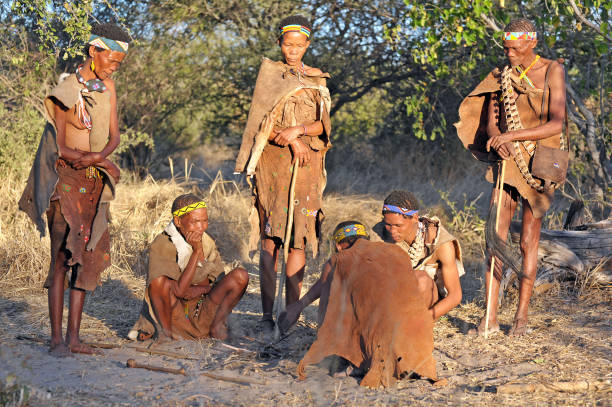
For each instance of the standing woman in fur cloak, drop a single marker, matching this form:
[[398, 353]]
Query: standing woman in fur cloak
[[288, 122]]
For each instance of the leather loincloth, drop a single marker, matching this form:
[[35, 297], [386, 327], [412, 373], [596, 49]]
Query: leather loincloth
[[70, 219]]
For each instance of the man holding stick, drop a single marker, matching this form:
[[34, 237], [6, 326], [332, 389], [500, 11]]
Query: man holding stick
[[517, 115]]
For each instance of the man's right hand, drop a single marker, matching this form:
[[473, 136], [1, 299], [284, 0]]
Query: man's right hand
[[506, 151], [301, 152], [195, 241]]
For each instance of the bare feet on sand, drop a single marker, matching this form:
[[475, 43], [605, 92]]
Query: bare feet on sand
[[59, 350], [519, 327], [493, 327]]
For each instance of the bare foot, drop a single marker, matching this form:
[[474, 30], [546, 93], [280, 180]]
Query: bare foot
[[80, 347], [519, 327], [219, 331], [493, 327], [59, 350], [289, 317], [266, 324]]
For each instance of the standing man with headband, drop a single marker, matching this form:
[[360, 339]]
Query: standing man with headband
[[288, 128], [73, 181], [516, 114], [187, 295]]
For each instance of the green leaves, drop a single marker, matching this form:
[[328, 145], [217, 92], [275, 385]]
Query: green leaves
[[57, 26]]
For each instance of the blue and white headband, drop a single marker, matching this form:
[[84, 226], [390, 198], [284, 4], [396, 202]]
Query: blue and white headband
[[397, 209]]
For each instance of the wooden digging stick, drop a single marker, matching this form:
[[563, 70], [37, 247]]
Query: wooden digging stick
[[499, 205], [133, 364], [286, 244]]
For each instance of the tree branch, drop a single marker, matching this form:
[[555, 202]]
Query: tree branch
[[590, 136], [586, 22], [489, 22]]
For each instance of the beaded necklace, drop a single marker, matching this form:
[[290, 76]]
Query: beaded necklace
[[417, 248], [523, 74]]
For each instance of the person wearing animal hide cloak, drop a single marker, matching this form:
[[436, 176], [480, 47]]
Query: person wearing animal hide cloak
[[517, 114], [288, 122]]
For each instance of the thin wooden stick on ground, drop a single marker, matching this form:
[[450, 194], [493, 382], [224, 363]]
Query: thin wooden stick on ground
[[568, 387], [133, 364], [161, 352], [236, 349], [238, 380]]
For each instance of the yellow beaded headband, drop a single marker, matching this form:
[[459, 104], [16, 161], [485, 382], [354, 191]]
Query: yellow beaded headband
[[355, 229], [191, 207]]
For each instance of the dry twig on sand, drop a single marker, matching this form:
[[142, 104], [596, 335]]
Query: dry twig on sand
[[161, 352], [238, 380], [568, 387], [133, 364]]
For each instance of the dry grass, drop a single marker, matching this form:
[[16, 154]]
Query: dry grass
[[569, 329]]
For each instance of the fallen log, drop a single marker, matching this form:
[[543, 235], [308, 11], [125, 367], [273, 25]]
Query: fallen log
[[566, 253], [567, 387]]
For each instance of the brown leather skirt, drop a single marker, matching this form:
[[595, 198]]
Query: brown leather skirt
[[70, 217]]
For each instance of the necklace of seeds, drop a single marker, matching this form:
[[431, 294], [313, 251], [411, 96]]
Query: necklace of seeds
[[417, 248]]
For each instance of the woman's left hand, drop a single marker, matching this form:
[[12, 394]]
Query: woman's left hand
[[87, 159], [288, 135], [496, 142]]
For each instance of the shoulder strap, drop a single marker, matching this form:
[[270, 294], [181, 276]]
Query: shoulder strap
[[546, 93], [545, 104]]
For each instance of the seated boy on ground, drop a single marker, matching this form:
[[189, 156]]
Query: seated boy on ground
[[186, 298]]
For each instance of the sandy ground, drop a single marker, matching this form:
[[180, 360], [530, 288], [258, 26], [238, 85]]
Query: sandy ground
[[570, 340]]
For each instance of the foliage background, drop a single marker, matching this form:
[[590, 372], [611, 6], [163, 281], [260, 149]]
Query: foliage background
[[399, 71]]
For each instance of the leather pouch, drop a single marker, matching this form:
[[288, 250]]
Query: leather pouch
[[550, 164]]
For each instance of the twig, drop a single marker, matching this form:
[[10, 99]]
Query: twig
[[195, 396], [234, 348], [161, 352], [133, 364], [238, 380], [570, 387], [490, 22]]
